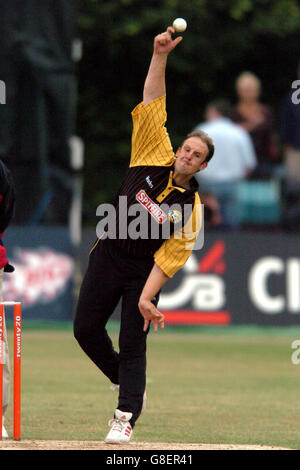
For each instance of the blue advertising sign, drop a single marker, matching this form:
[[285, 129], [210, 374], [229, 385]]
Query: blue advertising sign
[[236, 278]]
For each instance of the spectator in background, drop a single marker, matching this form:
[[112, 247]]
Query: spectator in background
[[290, 132], [233, 161], [290, 140], [212, 211], [258, 120]]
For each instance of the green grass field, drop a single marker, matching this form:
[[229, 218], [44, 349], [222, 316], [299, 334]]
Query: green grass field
[[229, 385]]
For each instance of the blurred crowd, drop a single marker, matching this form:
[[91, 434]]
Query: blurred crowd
[[254, 176]]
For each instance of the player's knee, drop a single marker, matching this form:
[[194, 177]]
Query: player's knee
[[87, 332], [81, 331]]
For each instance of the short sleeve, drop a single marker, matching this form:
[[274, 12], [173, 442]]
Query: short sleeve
[[151, 145], [174, 252]]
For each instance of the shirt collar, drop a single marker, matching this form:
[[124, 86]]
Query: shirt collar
[[193, 183]]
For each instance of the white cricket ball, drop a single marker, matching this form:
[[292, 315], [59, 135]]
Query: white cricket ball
[[179, 25]]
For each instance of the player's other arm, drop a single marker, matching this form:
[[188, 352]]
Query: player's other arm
[[155, 83], [156, 279], [169, 258]]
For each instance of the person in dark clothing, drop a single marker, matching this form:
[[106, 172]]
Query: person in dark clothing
[[258, 119], [7, 202], [134, 269], [290, 130]]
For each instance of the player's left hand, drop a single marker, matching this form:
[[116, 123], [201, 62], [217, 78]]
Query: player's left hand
[[151, 314]]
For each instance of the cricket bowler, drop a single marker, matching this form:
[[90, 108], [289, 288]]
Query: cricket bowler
[[133, 269]]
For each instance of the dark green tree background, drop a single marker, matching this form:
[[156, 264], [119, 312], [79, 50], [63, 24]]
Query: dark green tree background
[[223, 39]]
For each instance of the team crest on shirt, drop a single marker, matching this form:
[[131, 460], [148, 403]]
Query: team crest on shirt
[[154, 210], [175, 216]]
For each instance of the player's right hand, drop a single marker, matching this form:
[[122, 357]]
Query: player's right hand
[[151, 314], [164, 44]]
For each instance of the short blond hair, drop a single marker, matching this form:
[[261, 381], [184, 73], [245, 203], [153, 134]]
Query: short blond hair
[[248, 75]]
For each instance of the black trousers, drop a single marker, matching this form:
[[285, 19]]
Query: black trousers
[[112, 275]]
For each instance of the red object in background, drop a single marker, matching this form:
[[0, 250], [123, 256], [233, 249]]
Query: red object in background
[[193, 317], [3, 260], [213, 260], [17, 370]]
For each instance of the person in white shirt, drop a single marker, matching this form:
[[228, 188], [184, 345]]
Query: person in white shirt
[[233, 161]]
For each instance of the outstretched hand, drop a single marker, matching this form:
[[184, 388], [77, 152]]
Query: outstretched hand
[[164, 44], [151, 314]]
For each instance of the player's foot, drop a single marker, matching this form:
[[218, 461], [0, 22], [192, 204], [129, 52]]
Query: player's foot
[[4, 432], [116, 388], [121, 430]]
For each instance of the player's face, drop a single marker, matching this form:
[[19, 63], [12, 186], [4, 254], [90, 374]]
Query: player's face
[[190, 156]]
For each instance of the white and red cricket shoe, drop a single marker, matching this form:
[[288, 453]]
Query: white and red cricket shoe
[[121, 431]]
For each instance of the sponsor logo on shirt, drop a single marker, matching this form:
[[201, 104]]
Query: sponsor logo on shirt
[[174, 216], [154, 210]]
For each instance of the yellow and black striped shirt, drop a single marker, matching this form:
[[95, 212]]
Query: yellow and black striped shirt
[[149, 181]]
